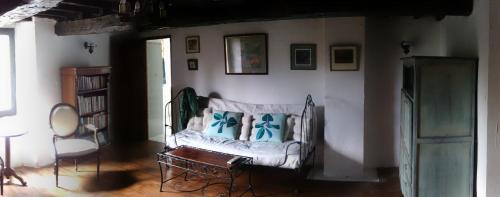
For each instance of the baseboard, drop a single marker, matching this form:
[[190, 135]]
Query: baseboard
[[369, 175]]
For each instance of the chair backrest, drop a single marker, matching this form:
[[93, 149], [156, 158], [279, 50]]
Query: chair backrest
[[64, 120]]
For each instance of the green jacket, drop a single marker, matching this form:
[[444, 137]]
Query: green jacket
[[188, 107]]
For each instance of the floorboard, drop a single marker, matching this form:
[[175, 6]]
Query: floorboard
[[131, 170]]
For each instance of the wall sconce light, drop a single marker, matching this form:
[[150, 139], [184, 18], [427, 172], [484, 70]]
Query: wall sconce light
[[89, 46], [406, 45]]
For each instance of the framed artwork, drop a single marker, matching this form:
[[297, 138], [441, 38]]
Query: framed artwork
[[303, 56], [344, 58], [246, 54], [193, 44], [192, 64]]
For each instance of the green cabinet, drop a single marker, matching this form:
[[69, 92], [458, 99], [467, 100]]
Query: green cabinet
[[438, 127]]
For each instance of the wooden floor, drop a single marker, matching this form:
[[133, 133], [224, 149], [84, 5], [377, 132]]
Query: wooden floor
[[132, 171]]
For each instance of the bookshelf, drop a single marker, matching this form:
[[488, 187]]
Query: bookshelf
[[87, 89]]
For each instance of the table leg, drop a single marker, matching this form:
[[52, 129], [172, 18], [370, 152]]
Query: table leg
[[8, 170]]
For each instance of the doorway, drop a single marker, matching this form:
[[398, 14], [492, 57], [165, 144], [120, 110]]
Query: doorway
[[159, 87]]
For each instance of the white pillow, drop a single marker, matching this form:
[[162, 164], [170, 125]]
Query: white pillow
[[244, 130], [295, 135], [290, 123], [246, 122], [195, 124], [207, 117]]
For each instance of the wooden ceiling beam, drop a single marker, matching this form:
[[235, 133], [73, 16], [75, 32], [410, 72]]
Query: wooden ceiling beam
[[100, 10], [26, 10], [53, 16], [103, 24], [77, 15]]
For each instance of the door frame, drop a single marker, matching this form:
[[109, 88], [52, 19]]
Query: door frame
[[145, 39]]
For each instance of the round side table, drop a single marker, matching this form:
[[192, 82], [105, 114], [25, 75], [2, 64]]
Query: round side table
[[8, 171]]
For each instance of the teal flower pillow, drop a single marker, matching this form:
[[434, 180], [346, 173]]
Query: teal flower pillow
[[224, 124], [269, 128]]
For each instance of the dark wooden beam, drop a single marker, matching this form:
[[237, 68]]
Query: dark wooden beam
[[28, 9], [53, 16], [76, 15], [104, 24], [99, 10], [183, 13]]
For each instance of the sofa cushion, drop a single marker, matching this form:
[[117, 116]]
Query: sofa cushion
[[246, 123], [269, 128], [263, 153], [246, 126], [224, 124], [195, 123], [75, 147]]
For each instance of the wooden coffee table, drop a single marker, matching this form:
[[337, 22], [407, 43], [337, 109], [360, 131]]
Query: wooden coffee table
[[204, 163]]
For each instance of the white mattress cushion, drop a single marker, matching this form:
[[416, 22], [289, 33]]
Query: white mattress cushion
[[263, 153], [75, 147]]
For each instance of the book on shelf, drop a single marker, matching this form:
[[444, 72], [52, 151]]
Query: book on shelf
[[90, 104], [99, 120], [91, 82]]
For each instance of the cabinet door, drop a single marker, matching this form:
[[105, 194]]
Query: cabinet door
[[446, 127], [405, 144], [446, 98]]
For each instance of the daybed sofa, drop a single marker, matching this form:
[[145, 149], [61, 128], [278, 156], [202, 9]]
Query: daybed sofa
[[296, 150]]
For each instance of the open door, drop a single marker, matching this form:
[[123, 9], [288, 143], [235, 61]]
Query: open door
[[128, 106], [159, 87]]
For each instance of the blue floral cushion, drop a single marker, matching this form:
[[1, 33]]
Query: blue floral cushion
[[269, 128], [224, 124]]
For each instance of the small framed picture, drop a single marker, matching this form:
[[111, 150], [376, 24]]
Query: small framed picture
[[344, 58], [193, 44], [192, 64], [303, 56]]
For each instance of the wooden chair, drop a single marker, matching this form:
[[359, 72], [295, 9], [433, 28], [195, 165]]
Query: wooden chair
[[64, 122]]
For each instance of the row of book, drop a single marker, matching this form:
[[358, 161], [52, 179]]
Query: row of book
[[91, 104], [98, 120], [91, 82]]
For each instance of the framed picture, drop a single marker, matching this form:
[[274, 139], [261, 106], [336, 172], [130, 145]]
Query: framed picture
[[193, 44], [303, 56], [192, 64], [344, 58], [246, 54]]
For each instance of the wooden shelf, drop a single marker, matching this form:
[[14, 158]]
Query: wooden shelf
[[74, 78], [93, 113], [80, 92]]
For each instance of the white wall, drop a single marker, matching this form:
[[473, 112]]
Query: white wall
[[384, 79], [493, 135], [272, 88], [39, 55], [344, 104]]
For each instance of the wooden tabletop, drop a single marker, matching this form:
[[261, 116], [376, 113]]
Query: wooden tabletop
[[12, 133], [202, 156]]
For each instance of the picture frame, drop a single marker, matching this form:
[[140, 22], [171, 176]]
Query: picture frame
[[344, 58], [303, 56], [246, 54], [193, 44], [192, 64]]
